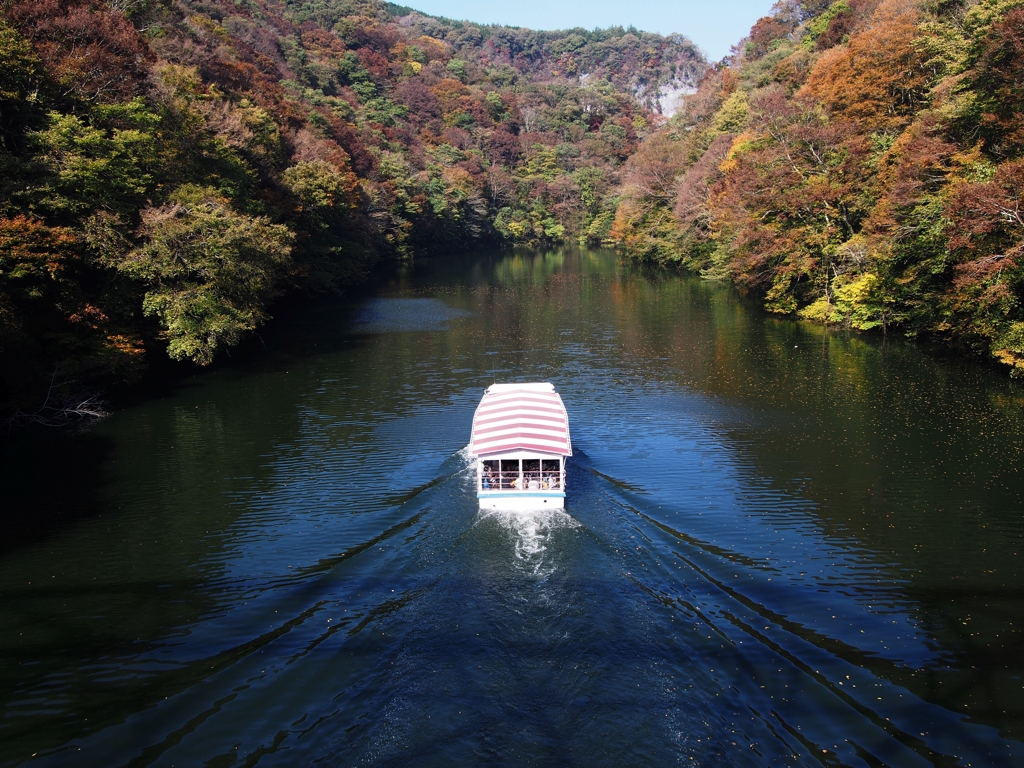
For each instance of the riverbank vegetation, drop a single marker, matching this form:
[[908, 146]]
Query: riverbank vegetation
[[172, 167], [859, 164]]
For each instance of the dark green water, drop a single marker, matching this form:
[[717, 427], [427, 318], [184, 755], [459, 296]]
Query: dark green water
[[780, 547]]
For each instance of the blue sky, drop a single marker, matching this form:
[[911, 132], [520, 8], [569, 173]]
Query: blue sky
[[713, 26]]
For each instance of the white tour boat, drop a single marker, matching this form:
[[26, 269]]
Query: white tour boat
[[520, 441]]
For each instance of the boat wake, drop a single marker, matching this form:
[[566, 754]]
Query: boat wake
[[532, 530]]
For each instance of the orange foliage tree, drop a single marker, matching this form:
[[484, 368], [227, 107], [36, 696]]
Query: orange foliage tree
[[879, 80]]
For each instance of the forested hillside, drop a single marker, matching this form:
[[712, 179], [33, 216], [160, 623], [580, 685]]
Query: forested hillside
[[171, 168], [858, 164]]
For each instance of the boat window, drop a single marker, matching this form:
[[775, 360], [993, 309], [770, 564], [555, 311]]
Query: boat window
[[509, 475], [550, 474], [490, 475], [521, 474]]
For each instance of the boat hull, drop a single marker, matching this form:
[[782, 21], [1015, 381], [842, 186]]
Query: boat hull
[[521, 501]]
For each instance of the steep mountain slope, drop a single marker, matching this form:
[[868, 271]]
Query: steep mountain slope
[[656, 70], [860, 164], [171, 167]]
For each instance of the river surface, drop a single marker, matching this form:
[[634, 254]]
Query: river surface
[[781, 546]]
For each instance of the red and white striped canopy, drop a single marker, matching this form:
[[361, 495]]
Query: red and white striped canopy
[[520, 417]]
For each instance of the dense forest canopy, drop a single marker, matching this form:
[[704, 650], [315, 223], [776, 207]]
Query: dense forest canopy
[[859, 163], [170, 168]]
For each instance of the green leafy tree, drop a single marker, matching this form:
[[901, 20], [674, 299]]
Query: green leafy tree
[[22, 82], [106, 161], [208, 270]]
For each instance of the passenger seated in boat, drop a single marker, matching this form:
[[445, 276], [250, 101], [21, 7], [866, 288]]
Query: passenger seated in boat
[[534, 485]]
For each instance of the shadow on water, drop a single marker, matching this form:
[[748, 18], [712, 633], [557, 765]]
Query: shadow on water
[[50, 482]]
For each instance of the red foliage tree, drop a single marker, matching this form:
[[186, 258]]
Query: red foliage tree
[[915, 171], [987, 233], [988, 218], [997, 78], [693, 195], [420, 100], [765, 31], [503, 148], [92, 51]]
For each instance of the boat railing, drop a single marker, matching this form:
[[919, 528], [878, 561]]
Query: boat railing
[[530, 481]]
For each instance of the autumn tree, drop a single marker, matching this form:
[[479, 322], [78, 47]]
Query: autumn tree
[[89, 48], [878, 80], [208, 270], [996, 87], [986, 234], [57, 343]]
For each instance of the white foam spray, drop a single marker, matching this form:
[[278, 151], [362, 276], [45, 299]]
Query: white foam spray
[[531, 531]]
